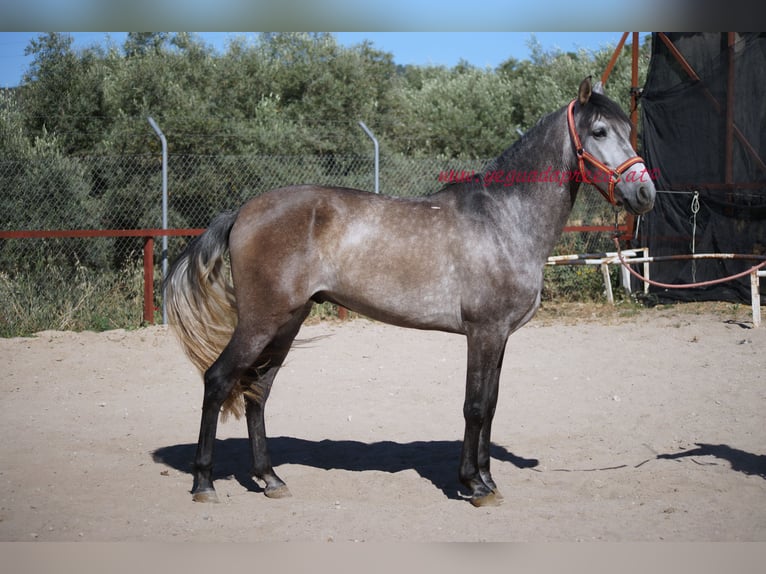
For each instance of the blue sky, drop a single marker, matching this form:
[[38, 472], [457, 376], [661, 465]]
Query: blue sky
[[440, 48]]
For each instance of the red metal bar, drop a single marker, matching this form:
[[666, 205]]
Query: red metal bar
[[613, 59], [687, 186], [634, 93], [630, 219], [583, 228], [679, 57], [692, 74], [687, 256], [149, 280], [68, 233], [148, 249], [729, 107], [147, 235]]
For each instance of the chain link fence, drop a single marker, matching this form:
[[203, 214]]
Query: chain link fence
[[97, 282]]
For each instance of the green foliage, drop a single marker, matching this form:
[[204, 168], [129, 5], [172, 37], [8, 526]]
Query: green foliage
[[15, 143], [459, 113], [76, 150], [292, 93], [63, 92], [577, 283]]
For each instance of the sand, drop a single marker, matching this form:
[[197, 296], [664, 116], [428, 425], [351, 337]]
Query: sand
[[612, 425]]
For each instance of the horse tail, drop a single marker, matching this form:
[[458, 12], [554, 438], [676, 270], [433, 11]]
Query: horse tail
[[200, 302]]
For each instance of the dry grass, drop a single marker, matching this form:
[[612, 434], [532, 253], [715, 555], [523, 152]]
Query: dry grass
[[567, 312], [86, 299], [76, 300]]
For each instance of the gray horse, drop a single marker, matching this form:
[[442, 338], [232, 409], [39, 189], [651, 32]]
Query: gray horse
[[467, 259]]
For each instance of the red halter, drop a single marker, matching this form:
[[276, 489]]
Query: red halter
[[582, 155]]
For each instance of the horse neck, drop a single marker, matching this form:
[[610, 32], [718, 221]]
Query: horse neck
[[539, 208]]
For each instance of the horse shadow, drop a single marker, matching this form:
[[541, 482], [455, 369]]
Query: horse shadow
[[739, 460], [436, 461]]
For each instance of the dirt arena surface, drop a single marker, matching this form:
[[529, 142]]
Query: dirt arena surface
[[611, 426]]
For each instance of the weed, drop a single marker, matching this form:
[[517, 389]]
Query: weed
[[78, 297], [70, 300]]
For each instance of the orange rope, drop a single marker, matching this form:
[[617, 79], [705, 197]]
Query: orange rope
[[685, 285]]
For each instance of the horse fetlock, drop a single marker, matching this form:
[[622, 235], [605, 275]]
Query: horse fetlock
[[487, 479], [483, 489], [275, 486], [486, 499], [277, 491], [208, 495]]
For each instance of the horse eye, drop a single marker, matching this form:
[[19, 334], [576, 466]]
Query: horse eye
[[599, 132]]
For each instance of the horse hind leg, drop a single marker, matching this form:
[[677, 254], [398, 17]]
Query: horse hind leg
[[263, 470], [265, 370], [237, 357]]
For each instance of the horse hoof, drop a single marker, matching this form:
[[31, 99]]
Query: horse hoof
[[491, 499], [205, 496], [278, 492]]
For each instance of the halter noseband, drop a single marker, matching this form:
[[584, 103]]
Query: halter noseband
[[582, 155]]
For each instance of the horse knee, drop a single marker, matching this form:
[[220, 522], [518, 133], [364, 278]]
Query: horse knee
[[474, 413]]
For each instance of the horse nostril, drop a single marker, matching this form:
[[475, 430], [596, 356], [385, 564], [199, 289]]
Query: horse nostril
[[644, 195]]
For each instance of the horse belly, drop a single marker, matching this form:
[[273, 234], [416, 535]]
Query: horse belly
[[420, 312], [397, 285]]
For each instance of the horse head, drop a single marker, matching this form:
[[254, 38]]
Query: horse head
[[600, 133]]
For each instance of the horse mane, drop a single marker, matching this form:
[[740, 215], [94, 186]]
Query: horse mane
[[598, 106]]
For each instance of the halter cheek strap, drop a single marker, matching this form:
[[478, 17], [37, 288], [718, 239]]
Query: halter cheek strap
[[583, 156]]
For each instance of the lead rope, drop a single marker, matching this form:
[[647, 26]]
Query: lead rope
[[626, 265]]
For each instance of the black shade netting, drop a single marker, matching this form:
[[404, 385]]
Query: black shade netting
[[684, 142]]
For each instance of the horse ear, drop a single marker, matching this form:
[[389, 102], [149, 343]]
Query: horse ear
[[583, 94]]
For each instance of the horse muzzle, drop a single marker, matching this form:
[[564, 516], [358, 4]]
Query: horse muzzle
[[635, 191]]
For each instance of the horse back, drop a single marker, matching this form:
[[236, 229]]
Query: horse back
[[413, 262]]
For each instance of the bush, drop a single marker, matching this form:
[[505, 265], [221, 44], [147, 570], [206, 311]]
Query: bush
[[86, 299]]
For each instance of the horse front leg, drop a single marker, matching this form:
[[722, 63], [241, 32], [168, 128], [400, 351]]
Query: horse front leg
[[485, 442], [485, 358]]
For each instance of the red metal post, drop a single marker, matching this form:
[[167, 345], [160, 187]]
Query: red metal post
[[634, 93], [149, 280], [730, 108], [630, 220]]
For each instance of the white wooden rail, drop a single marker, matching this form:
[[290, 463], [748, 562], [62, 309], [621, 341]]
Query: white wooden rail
[[631, 256]]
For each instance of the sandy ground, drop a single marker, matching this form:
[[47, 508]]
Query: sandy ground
[[648, 427]]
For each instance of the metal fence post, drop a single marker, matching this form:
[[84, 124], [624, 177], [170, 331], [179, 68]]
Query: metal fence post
[[377, 155], [158, 131]]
